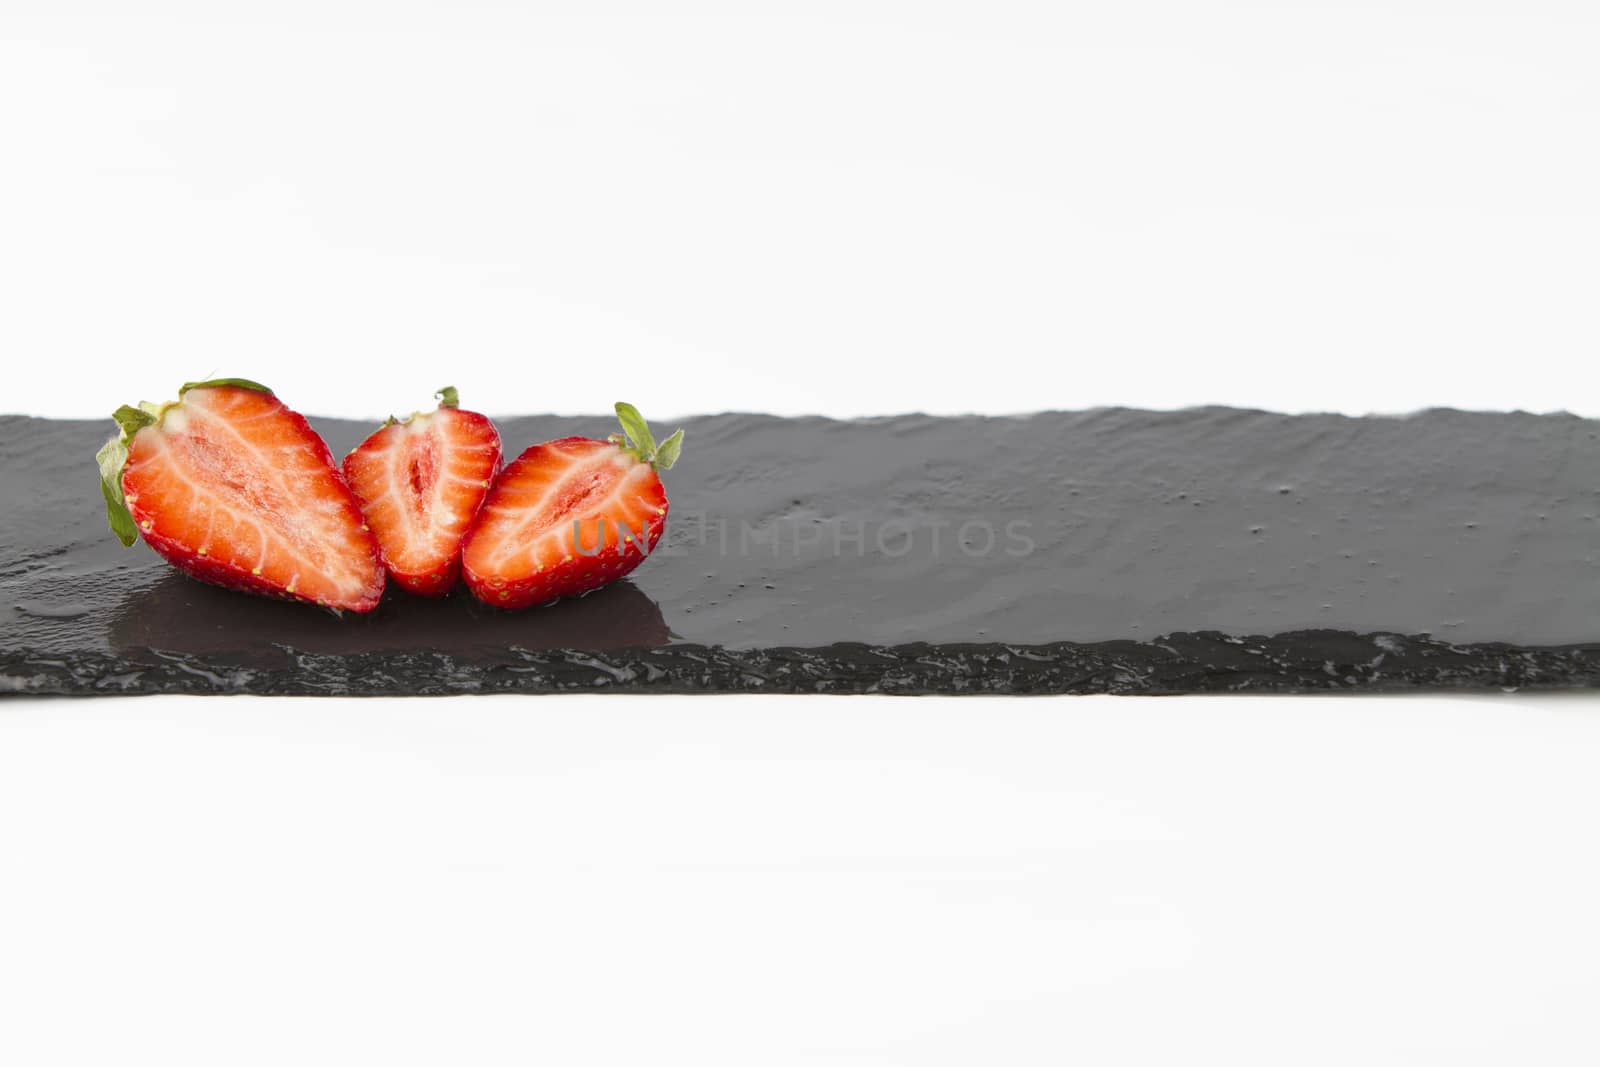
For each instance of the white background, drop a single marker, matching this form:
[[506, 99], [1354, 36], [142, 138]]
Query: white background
[[846, 208]]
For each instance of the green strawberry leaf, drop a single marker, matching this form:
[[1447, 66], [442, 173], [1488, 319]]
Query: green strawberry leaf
[[640, 444], [638, 431], [110, 459], [132, 420], [242, 383], [448, 397], [112, 455], [669, 451]]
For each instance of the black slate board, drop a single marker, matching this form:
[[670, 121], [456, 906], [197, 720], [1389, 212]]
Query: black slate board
[[1110, 550]]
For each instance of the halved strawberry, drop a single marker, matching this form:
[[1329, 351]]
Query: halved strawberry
[[231, 487], [570, 516], [420, 483]]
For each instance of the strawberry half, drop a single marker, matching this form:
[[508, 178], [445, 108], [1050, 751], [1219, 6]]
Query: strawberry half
[[233, 488], [420, 483], [569, 516]]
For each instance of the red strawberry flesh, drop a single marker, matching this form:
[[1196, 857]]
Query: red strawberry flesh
[[564, 518], [420, 484], [231, 487]]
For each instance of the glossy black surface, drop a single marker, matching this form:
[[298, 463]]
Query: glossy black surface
[[1106, 550]]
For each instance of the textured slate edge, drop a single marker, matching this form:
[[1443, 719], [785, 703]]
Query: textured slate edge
[[1208, 662]]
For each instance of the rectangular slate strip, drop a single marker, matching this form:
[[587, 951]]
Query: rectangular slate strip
[[1109, 550]]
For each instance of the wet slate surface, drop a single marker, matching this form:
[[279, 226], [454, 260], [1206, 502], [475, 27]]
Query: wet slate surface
[[1109, 550]]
